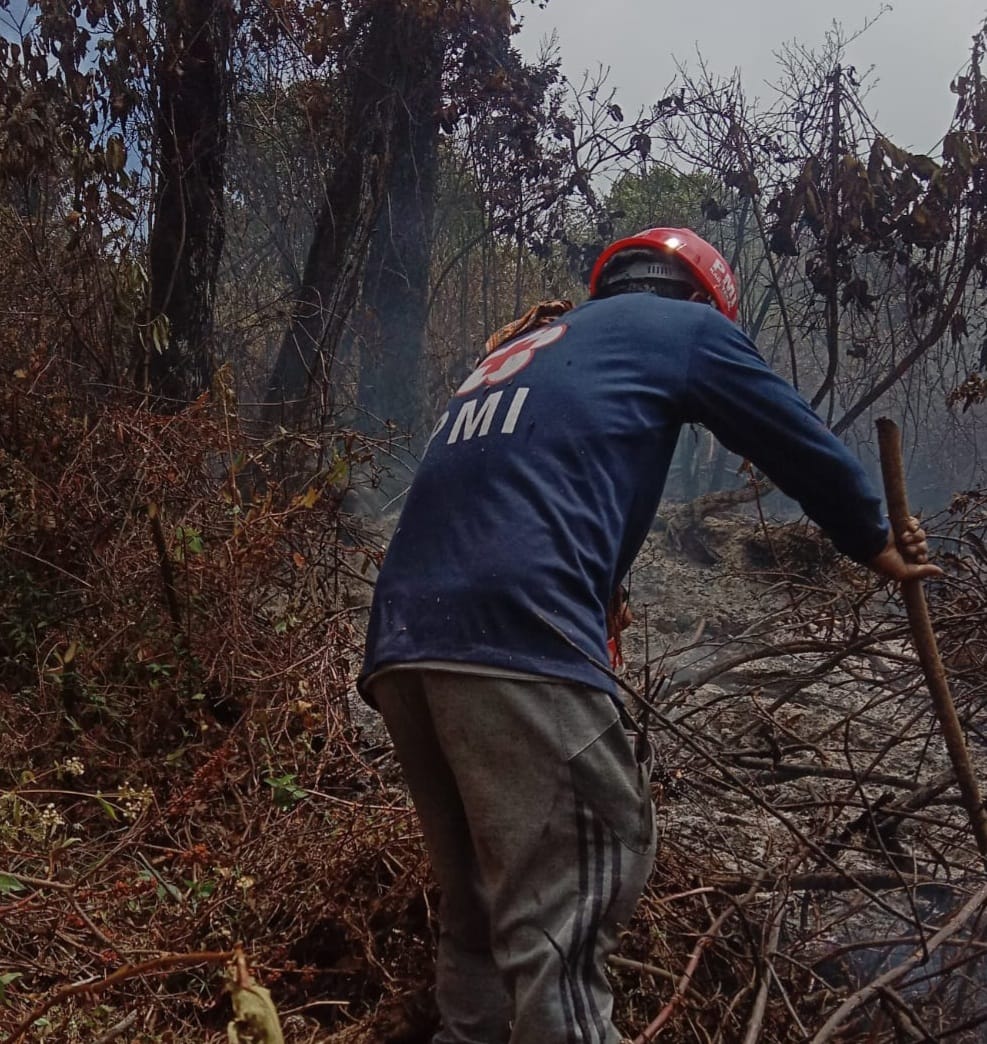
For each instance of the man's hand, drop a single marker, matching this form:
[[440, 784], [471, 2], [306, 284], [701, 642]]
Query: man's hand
[[907, 558]]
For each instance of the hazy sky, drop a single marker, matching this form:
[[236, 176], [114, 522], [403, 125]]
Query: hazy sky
[[916, 47]]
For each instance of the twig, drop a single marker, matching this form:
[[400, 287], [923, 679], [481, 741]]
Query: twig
[[784, 771], [93, 927], [761, 1000], [705, 890], [45, 562], [889, 442], [164, 564], [38, 882], [905, 1018], [316, 1004], [892, 942], [783, 992], [118, 1030], [128, 971], [647, 969], [878, 880], [866, 993], [654, 1028]]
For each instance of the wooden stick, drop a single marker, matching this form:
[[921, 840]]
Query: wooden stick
[[889, 442], [654, 1029]]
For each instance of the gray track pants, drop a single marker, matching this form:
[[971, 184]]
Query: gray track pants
[[539, 823]]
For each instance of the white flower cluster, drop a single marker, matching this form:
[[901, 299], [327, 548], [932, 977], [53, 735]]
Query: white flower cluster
[[73, 767], [51, 819], [134, 801]]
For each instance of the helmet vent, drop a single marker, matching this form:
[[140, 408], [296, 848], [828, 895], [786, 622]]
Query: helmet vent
[[635, 266]]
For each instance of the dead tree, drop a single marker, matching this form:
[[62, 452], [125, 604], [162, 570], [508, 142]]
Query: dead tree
[[188, 229]]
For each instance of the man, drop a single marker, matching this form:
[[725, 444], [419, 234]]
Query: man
[[487, 645]]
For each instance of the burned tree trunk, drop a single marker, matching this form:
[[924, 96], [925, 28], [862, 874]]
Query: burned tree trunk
[[188, 229], [396, 54], [396, 284]]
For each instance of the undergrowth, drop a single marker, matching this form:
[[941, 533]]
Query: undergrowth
[[179, 770], [184, 767]]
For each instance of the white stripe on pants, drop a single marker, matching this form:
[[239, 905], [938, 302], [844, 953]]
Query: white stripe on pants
[[539, 823]]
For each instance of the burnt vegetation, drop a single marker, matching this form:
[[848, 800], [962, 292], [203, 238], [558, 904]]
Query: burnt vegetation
[[248, 251]]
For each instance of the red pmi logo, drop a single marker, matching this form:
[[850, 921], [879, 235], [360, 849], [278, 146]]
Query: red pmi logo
[[724, 280], [510, 360]]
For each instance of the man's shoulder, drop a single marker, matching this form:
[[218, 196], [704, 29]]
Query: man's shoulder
[[645, 308]]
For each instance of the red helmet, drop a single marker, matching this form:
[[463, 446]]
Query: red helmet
[[702, 261]]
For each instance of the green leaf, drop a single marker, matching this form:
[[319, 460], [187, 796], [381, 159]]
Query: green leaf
[[5, 980], [200, 889], [286, 791], [339, 473], [107, 808], [68, 842], [189, 540], [9, 884]]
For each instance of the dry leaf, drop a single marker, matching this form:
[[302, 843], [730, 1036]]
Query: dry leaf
[[256, 1018]]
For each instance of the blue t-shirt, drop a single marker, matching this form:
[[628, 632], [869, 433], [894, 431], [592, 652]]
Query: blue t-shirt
[[544, 473]]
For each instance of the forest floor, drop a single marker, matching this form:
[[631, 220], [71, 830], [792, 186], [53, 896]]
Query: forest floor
[[793, 714], [810, 836]]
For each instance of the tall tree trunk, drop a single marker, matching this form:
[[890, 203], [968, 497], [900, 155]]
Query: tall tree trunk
[[188, 229], [833, 243], [396, 285], [386, 71]]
